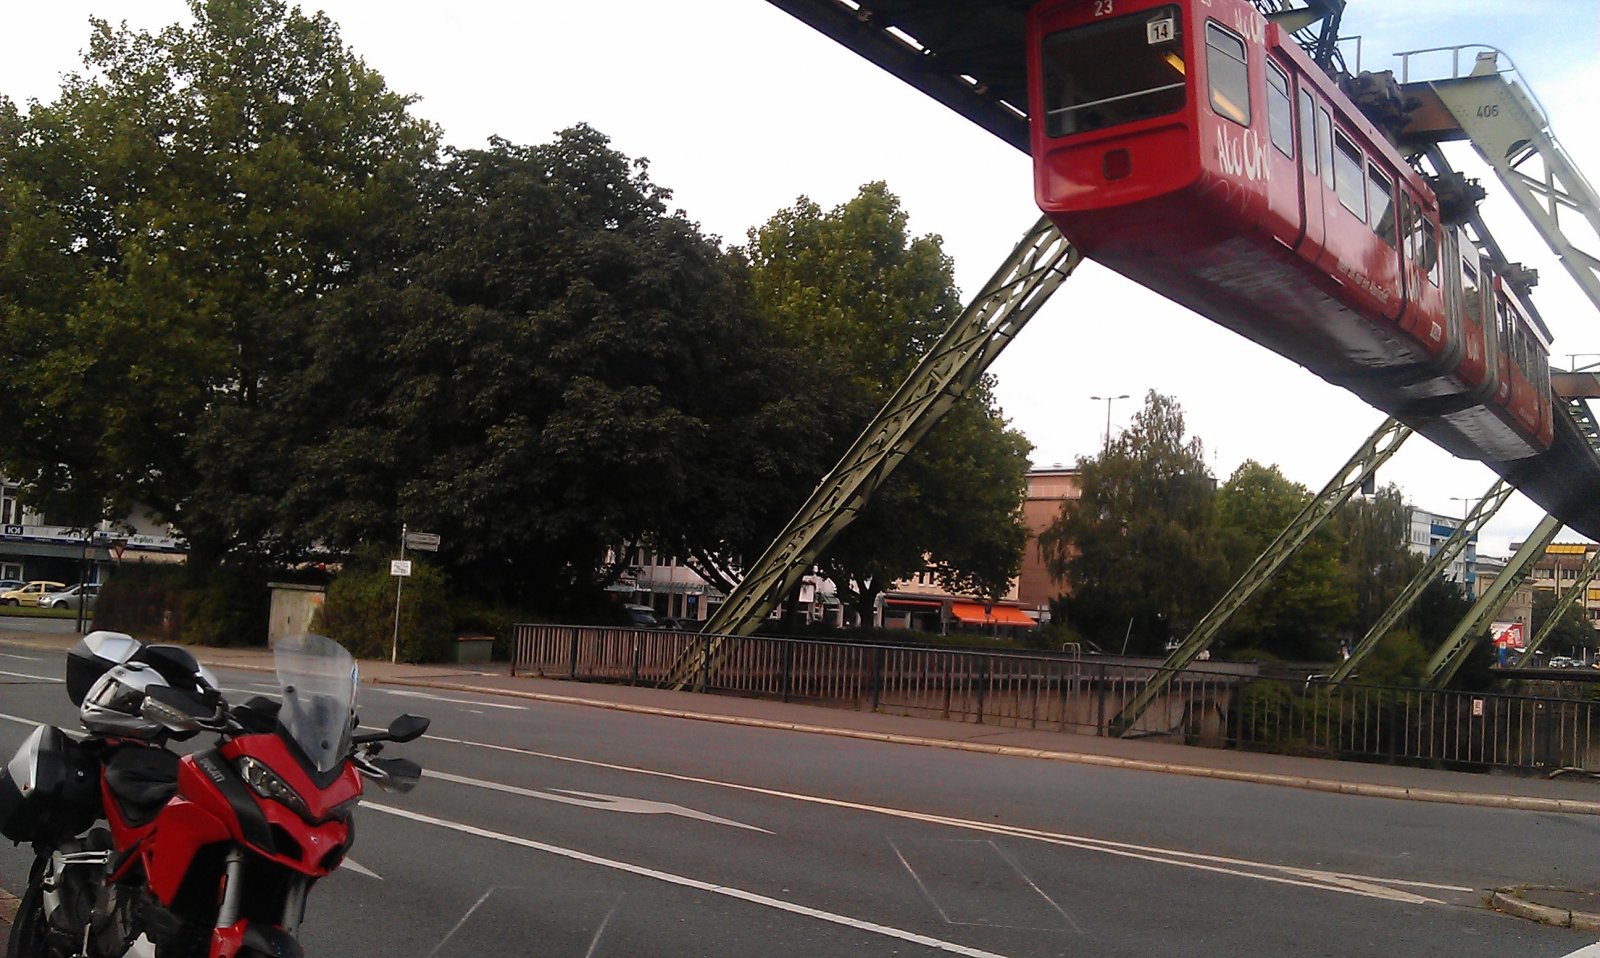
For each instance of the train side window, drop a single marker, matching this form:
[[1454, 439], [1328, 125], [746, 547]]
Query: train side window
[[1502, 321], [1380, 200], [1325, 144], [1347, 176], [1308, 133], [1430, 249], [1280, 110], [1230, 80], [1471, 299], [1410, 233]]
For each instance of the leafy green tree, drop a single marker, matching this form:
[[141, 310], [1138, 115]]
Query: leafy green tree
[[171, 225], [1437, 611], [1139, 547], [1374, 532], [1398, 660], [1303, 610], [561, 366], [1571, 631], [864, 300]]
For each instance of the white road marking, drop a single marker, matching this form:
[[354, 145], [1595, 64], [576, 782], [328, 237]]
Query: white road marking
[[685, 882], [457, 926], [360, 869], [25, 675], [921, 885], [595, 941], [441, 698], [30, 723], [1017, 866], [1588, 951], [1010, 862], [25, 658], [609, 803], [1366, 886]]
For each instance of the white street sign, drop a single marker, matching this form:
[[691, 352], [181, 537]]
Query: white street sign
[[423, 541], [400, 567]]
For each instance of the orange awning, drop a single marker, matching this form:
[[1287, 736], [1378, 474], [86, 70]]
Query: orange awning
[[998, 615]]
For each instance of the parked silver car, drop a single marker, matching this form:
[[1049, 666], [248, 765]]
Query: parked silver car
[[71, 598]]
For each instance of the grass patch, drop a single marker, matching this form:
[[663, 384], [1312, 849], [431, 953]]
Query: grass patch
[[34, 612]]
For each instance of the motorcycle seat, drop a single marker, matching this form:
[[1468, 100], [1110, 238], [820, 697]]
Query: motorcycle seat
[[143, 780]]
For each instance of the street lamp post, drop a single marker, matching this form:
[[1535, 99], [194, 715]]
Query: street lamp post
[[1108, 400]]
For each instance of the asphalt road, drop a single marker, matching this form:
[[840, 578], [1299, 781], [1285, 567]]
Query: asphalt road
[[557, 830]]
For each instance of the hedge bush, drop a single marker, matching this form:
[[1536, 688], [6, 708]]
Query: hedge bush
[[359, 613]]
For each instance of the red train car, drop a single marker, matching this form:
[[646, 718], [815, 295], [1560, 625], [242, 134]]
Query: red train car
[[1196, 149]]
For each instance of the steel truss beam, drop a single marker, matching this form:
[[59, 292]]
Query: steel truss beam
[[1447, 660], [1493, 110], [1565, 602], [1377, 450], [952, 366], [1447, 553]]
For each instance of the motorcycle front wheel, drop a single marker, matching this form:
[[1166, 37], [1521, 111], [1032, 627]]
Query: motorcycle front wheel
[[29, 931]]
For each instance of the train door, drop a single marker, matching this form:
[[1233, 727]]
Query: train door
[[1310, 178], [1481, 367], [1284, 219], [1425, 315]]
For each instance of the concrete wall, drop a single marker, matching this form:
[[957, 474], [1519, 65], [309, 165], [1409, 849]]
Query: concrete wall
[[293, 606]]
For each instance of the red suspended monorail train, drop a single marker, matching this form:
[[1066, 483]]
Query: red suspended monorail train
[[1195, 148]]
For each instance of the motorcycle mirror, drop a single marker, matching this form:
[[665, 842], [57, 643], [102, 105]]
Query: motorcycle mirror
[[406, 728], [399, 774]]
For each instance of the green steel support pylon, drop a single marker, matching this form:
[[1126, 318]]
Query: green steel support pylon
[[1373, 453], [1448, 551], [1038, 264], [1446, 662], [1565, 602]]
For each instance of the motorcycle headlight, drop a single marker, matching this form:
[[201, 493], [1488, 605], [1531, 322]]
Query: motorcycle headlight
[[268, 784]]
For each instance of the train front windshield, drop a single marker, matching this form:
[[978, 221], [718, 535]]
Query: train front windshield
[[1114, 71]]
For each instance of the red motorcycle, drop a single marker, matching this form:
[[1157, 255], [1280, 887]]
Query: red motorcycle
[[207, 855]]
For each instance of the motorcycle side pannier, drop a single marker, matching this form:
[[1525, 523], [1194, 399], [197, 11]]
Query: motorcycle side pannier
[[50, 790]]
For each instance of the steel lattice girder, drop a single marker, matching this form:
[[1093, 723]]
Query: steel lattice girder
[[1480, 515], [1447, 660], [1565, 602], [953, 365], [1377, 450]]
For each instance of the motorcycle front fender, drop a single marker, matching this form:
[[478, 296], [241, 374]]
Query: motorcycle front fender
[[250, 940]]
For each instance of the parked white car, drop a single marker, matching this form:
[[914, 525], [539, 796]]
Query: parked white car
[[71, 598]]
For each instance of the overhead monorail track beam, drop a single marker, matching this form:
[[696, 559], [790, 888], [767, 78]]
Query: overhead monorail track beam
[[1566, 601], [1447, 552], [1448, 659], [1377, 450], [952, 366]]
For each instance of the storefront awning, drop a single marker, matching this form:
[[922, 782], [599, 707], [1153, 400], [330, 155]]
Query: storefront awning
[[997, 615]]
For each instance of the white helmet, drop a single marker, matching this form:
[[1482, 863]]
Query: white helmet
[[115, 702]]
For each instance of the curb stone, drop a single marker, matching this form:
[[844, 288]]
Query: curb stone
[[1509, 900]]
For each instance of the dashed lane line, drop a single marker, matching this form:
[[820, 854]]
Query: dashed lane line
[[683, 881]]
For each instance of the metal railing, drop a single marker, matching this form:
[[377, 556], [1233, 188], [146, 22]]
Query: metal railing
[[1211, 704]]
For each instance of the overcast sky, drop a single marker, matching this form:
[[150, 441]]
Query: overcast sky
[[741, 109]]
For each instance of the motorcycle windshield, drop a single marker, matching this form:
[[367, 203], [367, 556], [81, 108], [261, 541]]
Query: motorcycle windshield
[[317, 680]]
